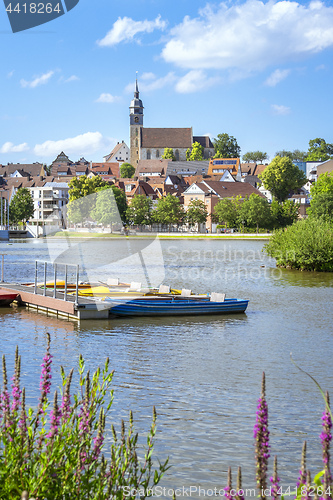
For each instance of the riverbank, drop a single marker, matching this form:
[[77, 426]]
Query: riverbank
[[169, 236]]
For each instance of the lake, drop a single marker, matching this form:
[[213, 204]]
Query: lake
[[203, 374]]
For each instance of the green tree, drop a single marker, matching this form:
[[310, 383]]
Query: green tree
[[284, 214], [298, 155], [110, 206], [255, 156], [21, 208], [139, 210], [319, 150], [127, 171], [255, 211], [188, 154], [196, 212], [281, 177], [196, 154], [169, 211], [227, 211], [322, 197], [168, 154], [226, 146], [322, 207], [295, 155], [83, 186], [81, 197]]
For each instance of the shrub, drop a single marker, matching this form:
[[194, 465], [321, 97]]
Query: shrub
[[58, 451], [306, 245]]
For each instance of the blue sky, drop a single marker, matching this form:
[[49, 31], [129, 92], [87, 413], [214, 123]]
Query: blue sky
[[260, 71]]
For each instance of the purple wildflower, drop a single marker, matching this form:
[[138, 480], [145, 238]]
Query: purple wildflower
[[275, 481], [261, 435], [239, 491], [23, 417], [16, 391], [326, 436], [228, 488], [65, 407], [99, 439], [55, 418], [302, 473], [45, 378], [5, 398]]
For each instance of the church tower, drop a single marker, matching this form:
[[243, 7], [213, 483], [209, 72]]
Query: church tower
[[136, 124]]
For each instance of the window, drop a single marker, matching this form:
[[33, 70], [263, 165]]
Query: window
[[177, 154], [136, 132], [148, 155], [157, 153], [136, 143]]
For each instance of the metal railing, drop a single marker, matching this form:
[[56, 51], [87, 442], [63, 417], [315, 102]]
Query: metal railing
[[55, 275], [2, 266]]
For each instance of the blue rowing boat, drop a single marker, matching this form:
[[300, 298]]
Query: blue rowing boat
[[173, 306]]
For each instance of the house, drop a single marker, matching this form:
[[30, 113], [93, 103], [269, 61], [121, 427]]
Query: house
[[326, 166], [120, 154], [225, 167], [49, 200], [107, 170], [133, 187], [210, 192], [22, 169], [151, 168]]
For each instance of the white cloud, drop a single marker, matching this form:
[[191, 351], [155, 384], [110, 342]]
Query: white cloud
[[9, 147], [279, 109], [72, 78], [151, 82], [147, 76], [39, 80], [250, 36], [276, 77], [10, 74], [83, 144], [125, 29], [320, 67], [108, 98], [193, 81]]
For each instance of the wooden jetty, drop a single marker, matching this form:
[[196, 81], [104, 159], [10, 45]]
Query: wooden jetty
[[53, 301], [44, 301]]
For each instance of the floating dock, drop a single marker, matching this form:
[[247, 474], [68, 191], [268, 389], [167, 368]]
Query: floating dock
[[45, 302]]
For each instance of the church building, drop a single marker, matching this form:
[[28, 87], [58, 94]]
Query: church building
[[149, 143]]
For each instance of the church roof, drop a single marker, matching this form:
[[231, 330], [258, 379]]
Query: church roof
[[204, 141], [166, 138]]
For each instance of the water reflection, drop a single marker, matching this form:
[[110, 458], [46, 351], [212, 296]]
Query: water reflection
[[203, 374]]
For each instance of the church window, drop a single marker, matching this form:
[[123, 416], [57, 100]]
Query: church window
[[148, 154], [136, 143], [177, 154], [136, 132], [157, 153]]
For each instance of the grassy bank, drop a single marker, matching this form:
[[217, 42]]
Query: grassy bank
[[175, 236]]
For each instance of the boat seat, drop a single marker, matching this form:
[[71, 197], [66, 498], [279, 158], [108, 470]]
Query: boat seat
[[186, 292], [164, 289], [113, 281], [135, 285], [217, 297]]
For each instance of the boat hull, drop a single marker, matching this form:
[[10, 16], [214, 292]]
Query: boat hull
[[6, 298], [172, 307]]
